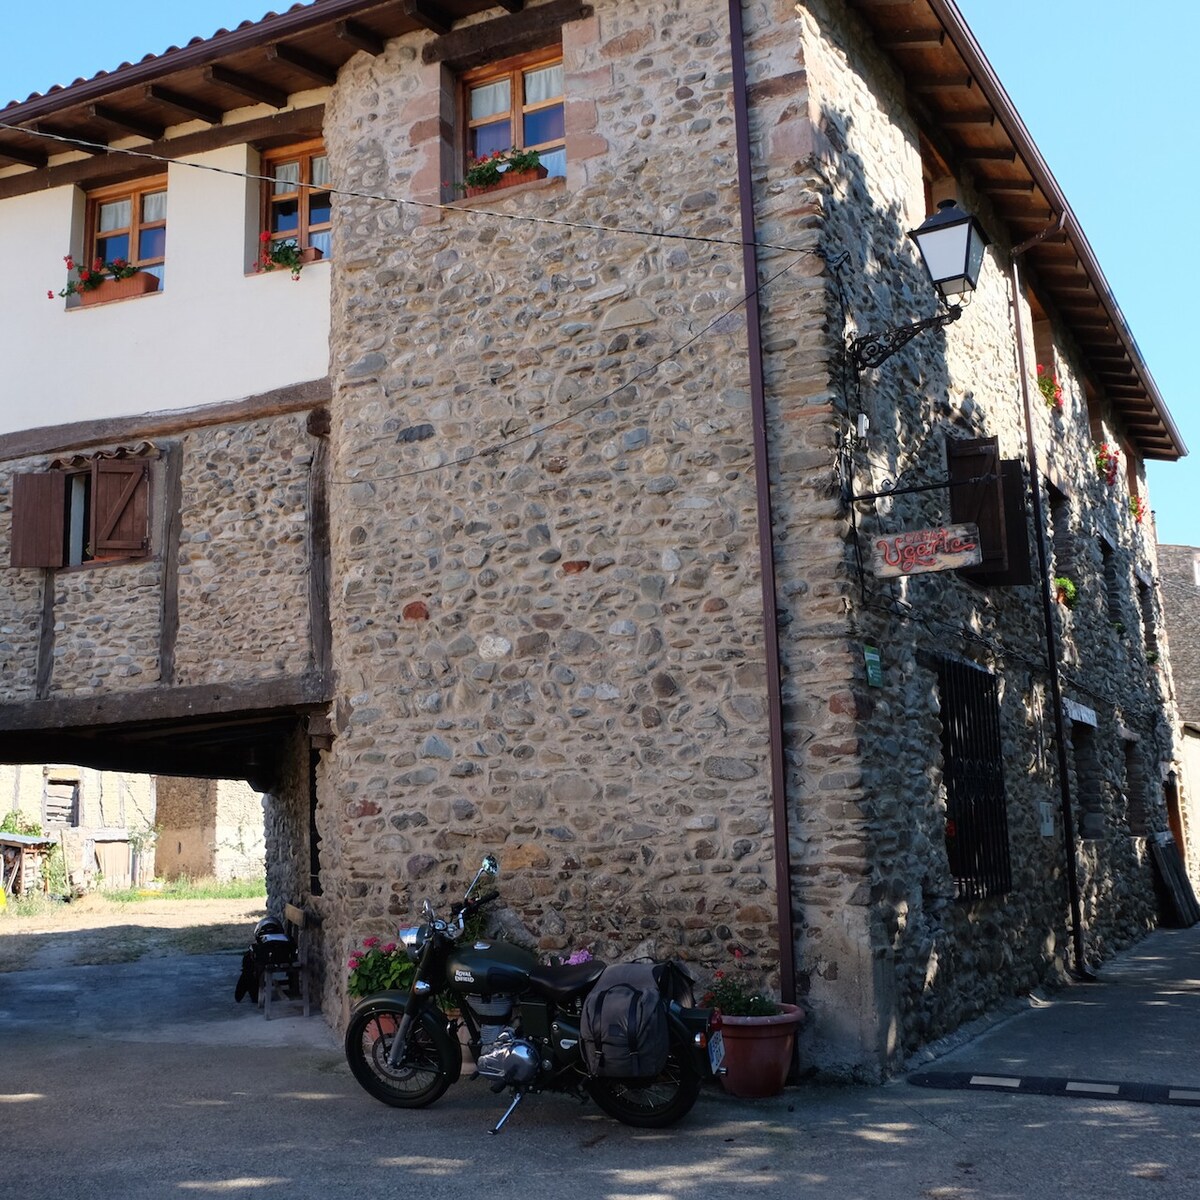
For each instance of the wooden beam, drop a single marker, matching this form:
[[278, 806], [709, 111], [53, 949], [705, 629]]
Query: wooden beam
[[918, 40], [988, 154], [54, 439], [25, 158], [356, 34], [320, 629], [429, 15], [283, 694], [1021, 186], [295, 125], [959, 83], [168, 621], [246, 85], [512, 6], [196, 109], [969, 116], [98, 146], [125, 123], [315, 68], [45, 651], [528, 29]]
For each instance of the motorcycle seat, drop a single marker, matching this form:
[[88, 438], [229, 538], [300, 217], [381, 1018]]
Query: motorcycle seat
[[566, 982]]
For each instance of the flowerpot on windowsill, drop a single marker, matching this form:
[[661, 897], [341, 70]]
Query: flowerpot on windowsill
[[509, 179], [141, 283], [758, 1051], [310, 254]]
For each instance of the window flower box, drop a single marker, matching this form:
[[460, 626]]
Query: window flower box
[[141, 283], [508, 179]]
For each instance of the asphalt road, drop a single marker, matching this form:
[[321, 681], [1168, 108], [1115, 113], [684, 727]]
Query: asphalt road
[[145, 1080]]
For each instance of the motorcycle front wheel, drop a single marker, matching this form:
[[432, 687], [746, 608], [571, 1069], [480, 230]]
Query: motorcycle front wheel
[[427, 1069], [651, 1103]]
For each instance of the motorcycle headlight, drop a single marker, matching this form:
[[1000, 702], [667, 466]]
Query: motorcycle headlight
[[413, 940]]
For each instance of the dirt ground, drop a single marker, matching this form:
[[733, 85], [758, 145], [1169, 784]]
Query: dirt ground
[[94, 930]]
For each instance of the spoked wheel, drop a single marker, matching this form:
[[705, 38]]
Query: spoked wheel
[[651, 1103], [426, 1071]]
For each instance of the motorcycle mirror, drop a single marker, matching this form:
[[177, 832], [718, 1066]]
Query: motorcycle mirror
[[490, 866], [427, 910]]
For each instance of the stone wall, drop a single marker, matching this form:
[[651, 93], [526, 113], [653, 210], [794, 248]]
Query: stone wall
[[243, 590], [939, 962], [547, 616], [1179, 578]]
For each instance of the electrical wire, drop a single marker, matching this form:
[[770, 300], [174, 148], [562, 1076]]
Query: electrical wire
[[352, 193], [537, 428]]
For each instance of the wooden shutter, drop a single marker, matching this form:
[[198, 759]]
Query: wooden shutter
[[120, 507], [37, 520], [980, 504]]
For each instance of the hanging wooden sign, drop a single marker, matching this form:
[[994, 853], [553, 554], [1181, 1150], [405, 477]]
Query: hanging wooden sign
[[919, 551]]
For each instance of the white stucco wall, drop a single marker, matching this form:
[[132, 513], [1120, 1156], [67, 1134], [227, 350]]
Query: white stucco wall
[[216, 332]]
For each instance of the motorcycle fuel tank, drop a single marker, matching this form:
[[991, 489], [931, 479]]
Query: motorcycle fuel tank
[[486, 966]]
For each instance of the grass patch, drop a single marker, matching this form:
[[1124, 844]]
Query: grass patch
[[33, 905], [195, 889]]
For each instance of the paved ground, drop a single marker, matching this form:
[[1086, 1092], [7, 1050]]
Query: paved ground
[[145, 1080]]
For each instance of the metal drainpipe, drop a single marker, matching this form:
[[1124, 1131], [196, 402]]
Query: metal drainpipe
[[766, 526], [1060, 732]]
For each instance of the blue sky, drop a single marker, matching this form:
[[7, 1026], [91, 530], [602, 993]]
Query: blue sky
[[1104, 86]]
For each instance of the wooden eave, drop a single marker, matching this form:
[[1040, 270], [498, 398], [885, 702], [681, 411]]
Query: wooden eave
[[968, 120], [259, 62]]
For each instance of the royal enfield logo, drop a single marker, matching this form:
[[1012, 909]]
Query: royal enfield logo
[[463, 977]]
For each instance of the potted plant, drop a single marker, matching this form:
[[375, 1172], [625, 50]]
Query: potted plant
[[1108, 462], [1050, 388], [287, 254], [104, 281], [379, 967], [758, 1034], [1065, 590], [1137, 508], [501, 169]]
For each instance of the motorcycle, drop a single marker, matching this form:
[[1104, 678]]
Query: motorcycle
[[523, 1027]]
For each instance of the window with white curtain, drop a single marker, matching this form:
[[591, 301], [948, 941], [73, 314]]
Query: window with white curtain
[[517, 104], [297, 202], [128, 223]]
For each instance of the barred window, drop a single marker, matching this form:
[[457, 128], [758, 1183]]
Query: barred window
[[973, 769]]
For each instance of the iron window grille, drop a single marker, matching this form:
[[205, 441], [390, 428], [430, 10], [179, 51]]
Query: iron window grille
[[973, 770]]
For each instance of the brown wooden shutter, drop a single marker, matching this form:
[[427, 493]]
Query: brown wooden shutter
[[37, 520], [120, 507], [980, 504]]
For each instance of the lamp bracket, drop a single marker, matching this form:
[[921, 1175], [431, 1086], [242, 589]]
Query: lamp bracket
[[872, 349]]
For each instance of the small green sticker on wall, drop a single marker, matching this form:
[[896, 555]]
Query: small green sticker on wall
[[874, 666]]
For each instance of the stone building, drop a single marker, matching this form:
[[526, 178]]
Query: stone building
[[540, 521], [1180, 582], [89, 814]]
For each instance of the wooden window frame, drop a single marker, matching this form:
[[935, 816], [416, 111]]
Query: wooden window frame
[[118, 514], [514, 68], [134, 192], [305, 152]]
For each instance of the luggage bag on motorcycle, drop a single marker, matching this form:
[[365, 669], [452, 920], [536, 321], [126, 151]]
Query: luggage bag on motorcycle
[[624, 1031]]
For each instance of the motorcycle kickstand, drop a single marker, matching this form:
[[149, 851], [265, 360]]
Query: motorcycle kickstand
[[509, 1112]]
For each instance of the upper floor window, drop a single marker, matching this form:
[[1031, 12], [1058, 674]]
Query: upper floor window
[[129, 221], [85, 510], [297, 204], [517, 105]]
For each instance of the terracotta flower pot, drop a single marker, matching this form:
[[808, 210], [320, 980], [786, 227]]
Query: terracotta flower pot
[[310, 254], [758, 1051], [138, 284], [510, 179]]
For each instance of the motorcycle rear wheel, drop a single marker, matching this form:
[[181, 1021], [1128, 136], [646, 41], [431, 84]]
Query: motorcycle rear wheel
[[652, 1103], [427, 1069]]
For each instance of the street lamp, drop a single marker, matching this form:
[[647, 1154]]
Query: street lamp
[[951, 243]]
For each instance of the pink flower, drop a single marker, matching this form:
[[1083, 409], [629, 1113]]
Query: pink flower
[[352, 963], [390, 948], [370, 942], [49, 295]]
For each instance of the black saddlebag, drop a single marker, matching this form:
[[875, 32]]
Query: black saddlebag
[[624, 1030]]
